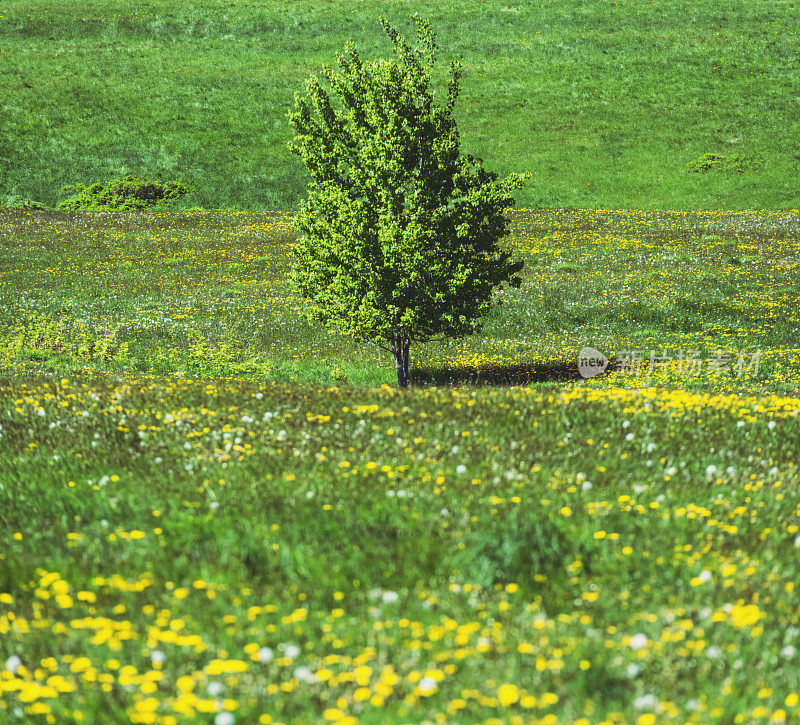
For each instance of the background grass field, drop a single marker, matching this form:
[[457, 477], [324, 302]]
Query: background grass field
[[604, 102]]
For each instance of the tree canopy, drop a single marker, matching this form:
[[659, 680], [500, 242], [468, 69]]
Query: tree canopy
[[400, 230]]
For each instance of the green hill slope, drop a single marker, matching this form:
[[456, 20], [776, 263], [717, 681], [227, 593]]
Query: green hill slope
[[605, 103]]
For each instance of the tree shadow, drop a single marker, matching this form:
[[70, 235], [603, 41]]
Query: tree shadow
[[553, 371]]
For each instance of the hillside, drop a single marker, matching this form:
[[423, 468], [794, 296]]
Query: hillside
[[605, 103]]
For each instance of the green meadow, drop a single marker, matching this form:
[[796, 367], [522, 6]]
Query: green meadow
[[213, 511], [605, 103]]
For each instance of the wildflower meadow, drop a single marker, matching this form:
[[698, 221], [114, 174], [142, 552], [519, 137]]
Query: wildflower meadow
[[211, 511], [215, 511]]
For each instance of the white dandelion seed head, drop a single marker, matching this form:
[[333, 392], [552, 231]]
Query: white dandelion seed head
[[426, 685], [638, 641], [303, 674], [291, 650], [645, 702]]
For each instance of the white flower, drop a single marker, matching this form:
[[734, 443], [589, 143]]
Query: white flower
[[626, 423], [629, 437], [454, 449], [704, 576], [390, 597], [224, 718], [265, 654], [586, 485], [770, 425], [213, 688], [797, 542], [711, 470], [638, 641], [632, 670], [291, 650], [461, 469], [651, 447], [426, 685], [713, 652], [671, 471], [157, 656], [788, 651], [444, 512], [13, 663]]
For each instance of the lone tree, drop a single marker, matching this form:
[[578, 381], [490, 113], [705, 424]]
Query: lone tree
[[400, 230]]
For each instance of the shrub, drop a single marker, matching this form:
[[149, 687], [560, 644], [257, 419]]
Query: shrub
[[130, 193], [718, 162]]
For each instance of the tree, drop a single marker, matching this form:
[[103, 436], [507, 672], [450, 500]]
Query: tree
[[400, 230]]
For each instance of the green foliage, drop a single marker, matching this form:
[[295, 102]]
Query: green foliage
[[58, 341], [718, 162], [400, 229], [19, 202], [129, 193]]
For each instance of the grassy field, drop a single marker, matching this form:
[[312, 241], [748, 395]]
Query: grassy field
[[212, 512], [605, 103]]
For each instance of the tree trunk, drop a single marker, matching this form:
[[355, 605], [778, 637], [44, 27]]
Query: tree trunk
[[400, 345]]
